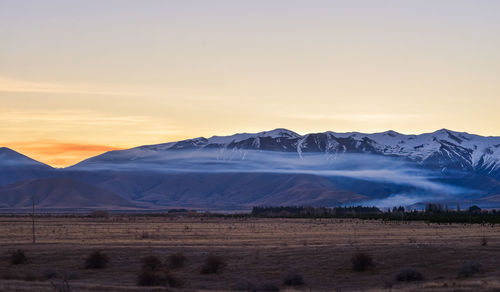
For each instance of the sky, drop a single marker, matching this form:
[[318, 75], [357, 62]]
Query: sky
[[78, 78]]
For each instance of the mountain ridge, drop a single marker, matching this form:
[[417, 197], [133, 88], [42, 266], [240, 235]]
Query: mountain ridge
[[8, 156], [440, 149], [58, 193], [277, 167]]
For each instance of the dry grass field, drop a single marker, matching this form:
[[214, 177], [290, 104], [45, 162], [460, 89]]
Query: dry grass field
[[256, 251]]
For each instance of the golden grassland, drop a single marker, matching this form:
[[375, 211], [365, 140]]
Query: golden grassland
[[255, 250]]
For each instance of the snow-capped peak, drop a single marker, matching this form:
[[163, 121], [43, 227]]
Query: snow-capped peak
[[439, 149], [276, 133]]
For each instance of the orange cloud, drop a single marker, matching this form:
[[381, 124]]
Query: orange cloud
[[59, 154]]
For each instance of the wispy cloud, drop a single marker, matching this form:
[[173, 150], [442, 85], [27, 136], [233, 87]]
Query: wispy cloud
[[58, 120], [358, 166], [81, 117], [355, 117], [30, 86], [403, 199]]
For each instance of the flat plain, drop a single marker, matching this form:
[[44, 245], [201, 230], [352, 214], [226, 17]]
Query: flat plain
[[256, 251]]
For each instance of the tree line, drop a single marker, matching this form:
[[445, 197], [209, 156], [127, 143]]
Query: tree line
[[434, 213]]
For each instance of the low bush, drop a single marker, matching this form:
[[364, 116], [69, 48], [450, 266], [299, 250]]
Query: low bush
[[213, 264], [153, 274], [409, 275], [49, 274], [96, 260], [68, 275], [361, 262], [18, 257], [469, 269], [293, 279], [9, 275], [176, 260], [151, 262], [172, 281], [61, 286], [270, 287], [245, 285], [148, 277], [30, 276]]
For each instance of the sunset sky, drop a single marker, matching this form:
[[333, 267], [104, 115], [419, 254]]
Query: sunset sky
[[78, 78]]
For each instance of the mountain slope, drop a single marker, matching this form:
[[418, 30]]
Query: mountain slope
[[9, 157], [15, 166], [237, 190], [58, 193], [229, 190]]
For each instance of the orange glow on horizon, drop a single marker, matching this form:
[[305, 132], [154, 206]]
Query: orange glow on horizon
[[59, 154]]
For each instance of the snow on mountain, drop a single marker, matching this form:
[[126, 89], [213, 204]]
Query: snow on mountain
[[443, 149], [274, 134]]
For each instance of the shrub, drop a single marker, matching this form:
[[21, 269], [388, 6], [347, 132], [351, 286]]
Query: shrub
[[269, 287], [9, 275], [49, 274], [30, 276], [152, 274], [484, 241], [361, 262], [18, 257], [388, 284], [68, 275], [96, 260], [469, 269], [176, 260], [151, 262], [173, 282], [409, 275], [293, 279], [62, 286], [213, 264], [246, 285], [148, 277]]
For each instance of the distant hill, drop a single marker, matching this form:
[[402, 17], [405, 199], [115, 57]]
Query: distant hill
[[278, 167], [58, 193], [9, 157], [15, 166], [239, 190]]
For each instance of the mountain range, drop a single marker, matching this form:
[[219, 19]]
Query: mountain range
[[278, 167]]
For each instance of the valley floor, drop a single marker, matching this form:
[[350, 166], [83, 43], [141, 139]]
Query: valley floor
[[256, 251]]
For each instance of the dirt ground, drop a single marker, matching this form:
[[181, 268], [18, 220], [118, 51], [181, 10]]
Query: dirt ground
[[256, 251]]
